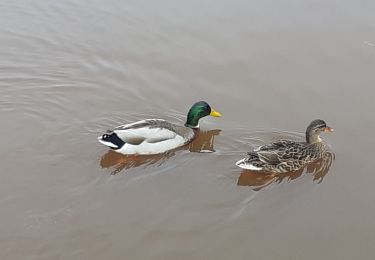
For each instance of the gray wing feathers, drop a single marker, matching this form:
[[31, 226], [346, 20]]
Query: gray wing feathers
[[150, 123], [151, 131], [268, 157]]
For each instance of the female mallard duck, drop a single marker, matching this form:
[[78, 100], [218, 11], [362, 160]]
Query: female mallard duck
[[286, 155], [153, 136]]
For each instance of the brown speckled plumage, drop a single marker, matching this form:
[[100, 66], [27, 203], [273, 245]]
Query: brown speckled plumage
[[286, 155]]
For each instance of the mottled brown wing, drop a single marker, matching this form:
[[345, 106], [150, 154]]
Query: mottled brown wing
[[269, 157], [283, 151]]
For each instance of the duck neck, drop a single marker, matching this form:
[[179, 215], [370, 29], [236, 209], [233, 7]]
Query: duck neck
[[192, 121], [312, 138]]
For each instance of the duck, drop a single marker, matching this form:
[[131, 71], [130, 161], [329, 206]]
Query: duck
[[155, 136], [287, 155]]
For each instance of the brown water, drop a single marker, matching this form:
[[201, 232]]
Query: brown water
[[69, 70]]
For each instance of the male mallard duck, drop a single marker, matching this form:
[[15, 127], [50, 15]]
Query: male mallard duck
[[286, 155], [153, 136]]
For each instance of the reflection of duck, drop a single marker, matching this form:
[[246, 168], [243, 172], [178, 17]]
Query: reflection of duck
[[155, 136], [286, 155], [203, 142], [258, 180]]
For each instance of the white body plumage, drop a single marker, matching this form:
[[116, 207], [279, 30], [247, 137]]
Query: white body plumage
[[151, 136], [247, 165]]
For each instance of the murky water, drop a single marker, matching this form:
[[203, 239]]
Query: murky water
[[69, 70]]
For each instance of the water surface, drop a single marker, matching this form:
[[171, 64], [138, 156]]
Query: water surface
[[70, 70]]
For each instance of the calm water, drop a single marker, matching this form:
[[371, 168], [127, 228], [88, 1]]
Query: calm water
[[69, 70]]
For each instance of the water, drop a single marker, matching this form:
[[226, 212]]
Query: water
[[69, 71]]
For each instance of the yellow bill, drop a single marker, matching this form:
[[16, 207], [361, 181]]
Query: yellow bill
[[214, 113]]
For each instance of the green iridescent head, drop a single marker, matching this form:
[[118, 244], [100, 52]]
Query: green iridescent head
[[197, 111]]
